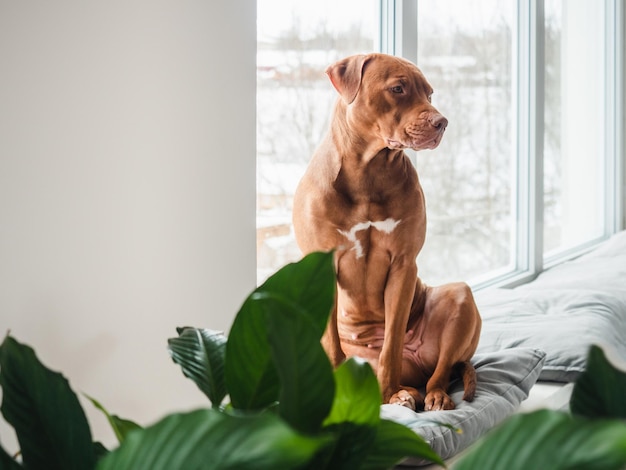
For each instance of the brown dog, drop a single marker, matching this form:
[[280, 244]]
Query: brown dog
[[361, 196]]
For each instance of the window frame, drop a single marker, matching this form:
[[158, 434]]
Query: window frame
[[398, 35]]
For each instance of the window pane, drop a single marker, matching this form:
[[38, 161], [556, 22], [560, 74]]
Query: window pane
[[465, 51], [574, 123], [296, 42]]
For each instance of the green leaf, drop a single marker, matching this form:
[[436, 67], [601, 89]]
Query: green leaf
[[99, 450], [352, 442], [310, 283], [7, 462], [121, 427], [550, 439], [364, 440], [355, 413], [357, 396], [599, 391], [215, 440], [306, 375], [201, 355], [393, 443], [251, 376], [50, 424]]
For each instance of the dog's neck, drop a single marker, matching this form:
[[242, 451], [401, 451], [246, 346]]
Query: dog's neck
[[354, 149], [361, 171]]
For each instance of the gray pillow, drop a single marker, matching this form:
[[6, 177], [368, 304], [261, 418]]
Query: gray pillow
[[563, 312], [504, 379], [563, 322]]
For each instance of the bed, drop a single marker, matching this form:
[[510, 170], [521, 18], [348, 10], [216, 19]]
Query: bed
[[533, 346]]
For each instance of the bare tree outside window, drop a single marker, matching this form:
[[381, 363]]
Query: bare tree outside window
[[465, 49]]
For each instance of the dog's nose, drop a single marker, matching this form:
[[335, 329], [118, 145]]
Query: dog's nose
[[438, 121]]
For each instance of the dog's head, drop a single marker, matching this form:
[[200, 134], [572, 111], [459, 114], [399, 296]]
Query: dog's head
[[389, 98]]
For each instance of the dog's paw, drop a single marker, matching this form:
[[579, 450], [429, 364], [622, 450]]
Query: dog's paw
[[409, 397], [437, 400], [403, 398]]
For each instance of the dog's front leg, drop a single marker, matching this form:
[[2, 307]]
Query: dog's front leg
[[330, 340], [399, 293]]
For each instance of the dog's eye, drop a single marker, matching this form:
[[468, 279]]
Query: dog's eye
[[430, 98], [397, 89]]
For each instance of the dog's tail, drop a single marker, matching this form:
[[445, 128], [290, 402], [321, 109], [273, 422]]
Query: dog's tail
[[466, 371]]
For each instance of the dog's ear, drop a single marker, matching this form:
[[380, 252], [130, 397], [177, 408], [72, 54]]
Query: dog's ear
[[345, 75]]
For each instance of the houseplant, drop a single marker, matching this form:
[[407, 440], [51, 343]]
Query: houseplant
[[286, 407]]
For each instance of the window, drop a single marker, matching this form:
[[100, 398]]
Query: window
[[528, 172], [296, 42], [465, 50], [574, 150]]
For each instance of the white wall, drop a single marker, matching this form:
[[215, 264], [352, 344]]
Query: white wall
[[127, 188]]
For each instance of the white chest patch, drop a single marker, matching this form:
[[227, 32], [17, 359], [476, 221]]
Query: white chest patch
[[385, 226]]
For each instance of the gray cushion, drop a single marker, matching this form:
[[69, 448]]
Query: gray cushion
[[562, 322], [562, 312], [504, 379]]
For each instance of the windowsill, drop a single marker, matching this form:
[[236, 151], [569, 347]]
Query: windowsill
[[516, 278]]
